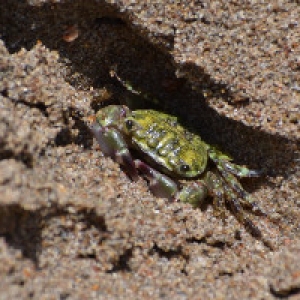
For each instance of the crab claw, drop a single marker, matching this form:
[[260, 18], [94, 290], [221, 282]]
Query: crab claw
[[126, 160], [100, 134], [113, 145], [159, 184]]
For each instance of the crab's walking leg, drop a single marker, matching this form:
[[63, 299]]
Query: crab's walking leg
[[217, 192], [113, 144], [224, 161], [246, 199], [193, 193], [159, 184], [234, 204], [226, 186], [229, 170]]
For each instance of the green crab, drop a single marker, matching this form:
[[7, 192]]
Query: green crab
[[177, 163]]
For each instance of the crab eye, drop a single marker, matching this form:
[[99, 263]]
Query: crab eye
[[129, 124], [184, 168]]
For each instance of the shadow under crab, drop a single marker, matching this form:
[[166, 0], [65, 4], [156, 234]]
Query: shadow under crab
[[178, 164]]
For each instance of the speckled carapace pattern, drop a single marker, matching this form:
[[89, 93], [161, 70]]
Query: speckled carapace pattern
[[72, 224]]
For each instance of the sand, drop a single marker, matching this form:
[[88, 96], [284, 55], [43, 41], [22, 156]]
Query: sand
[[72, 224]]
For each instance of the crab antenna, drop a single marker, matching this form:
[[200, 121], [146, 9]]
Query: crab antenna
[[125, 84]]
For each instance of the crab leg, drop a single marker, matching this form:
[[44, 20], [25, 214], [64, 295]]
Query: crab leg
[[246, 199], [193, 193], [234, 204], [229, 171], [215, 184], [224, 161]]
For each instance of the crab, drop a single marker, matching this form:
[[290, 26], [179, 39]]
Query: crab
[[177, 164]]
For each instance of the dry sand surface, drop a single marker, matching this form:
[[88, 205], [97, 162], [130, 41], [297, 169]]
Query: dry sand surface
[[72, 224]]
